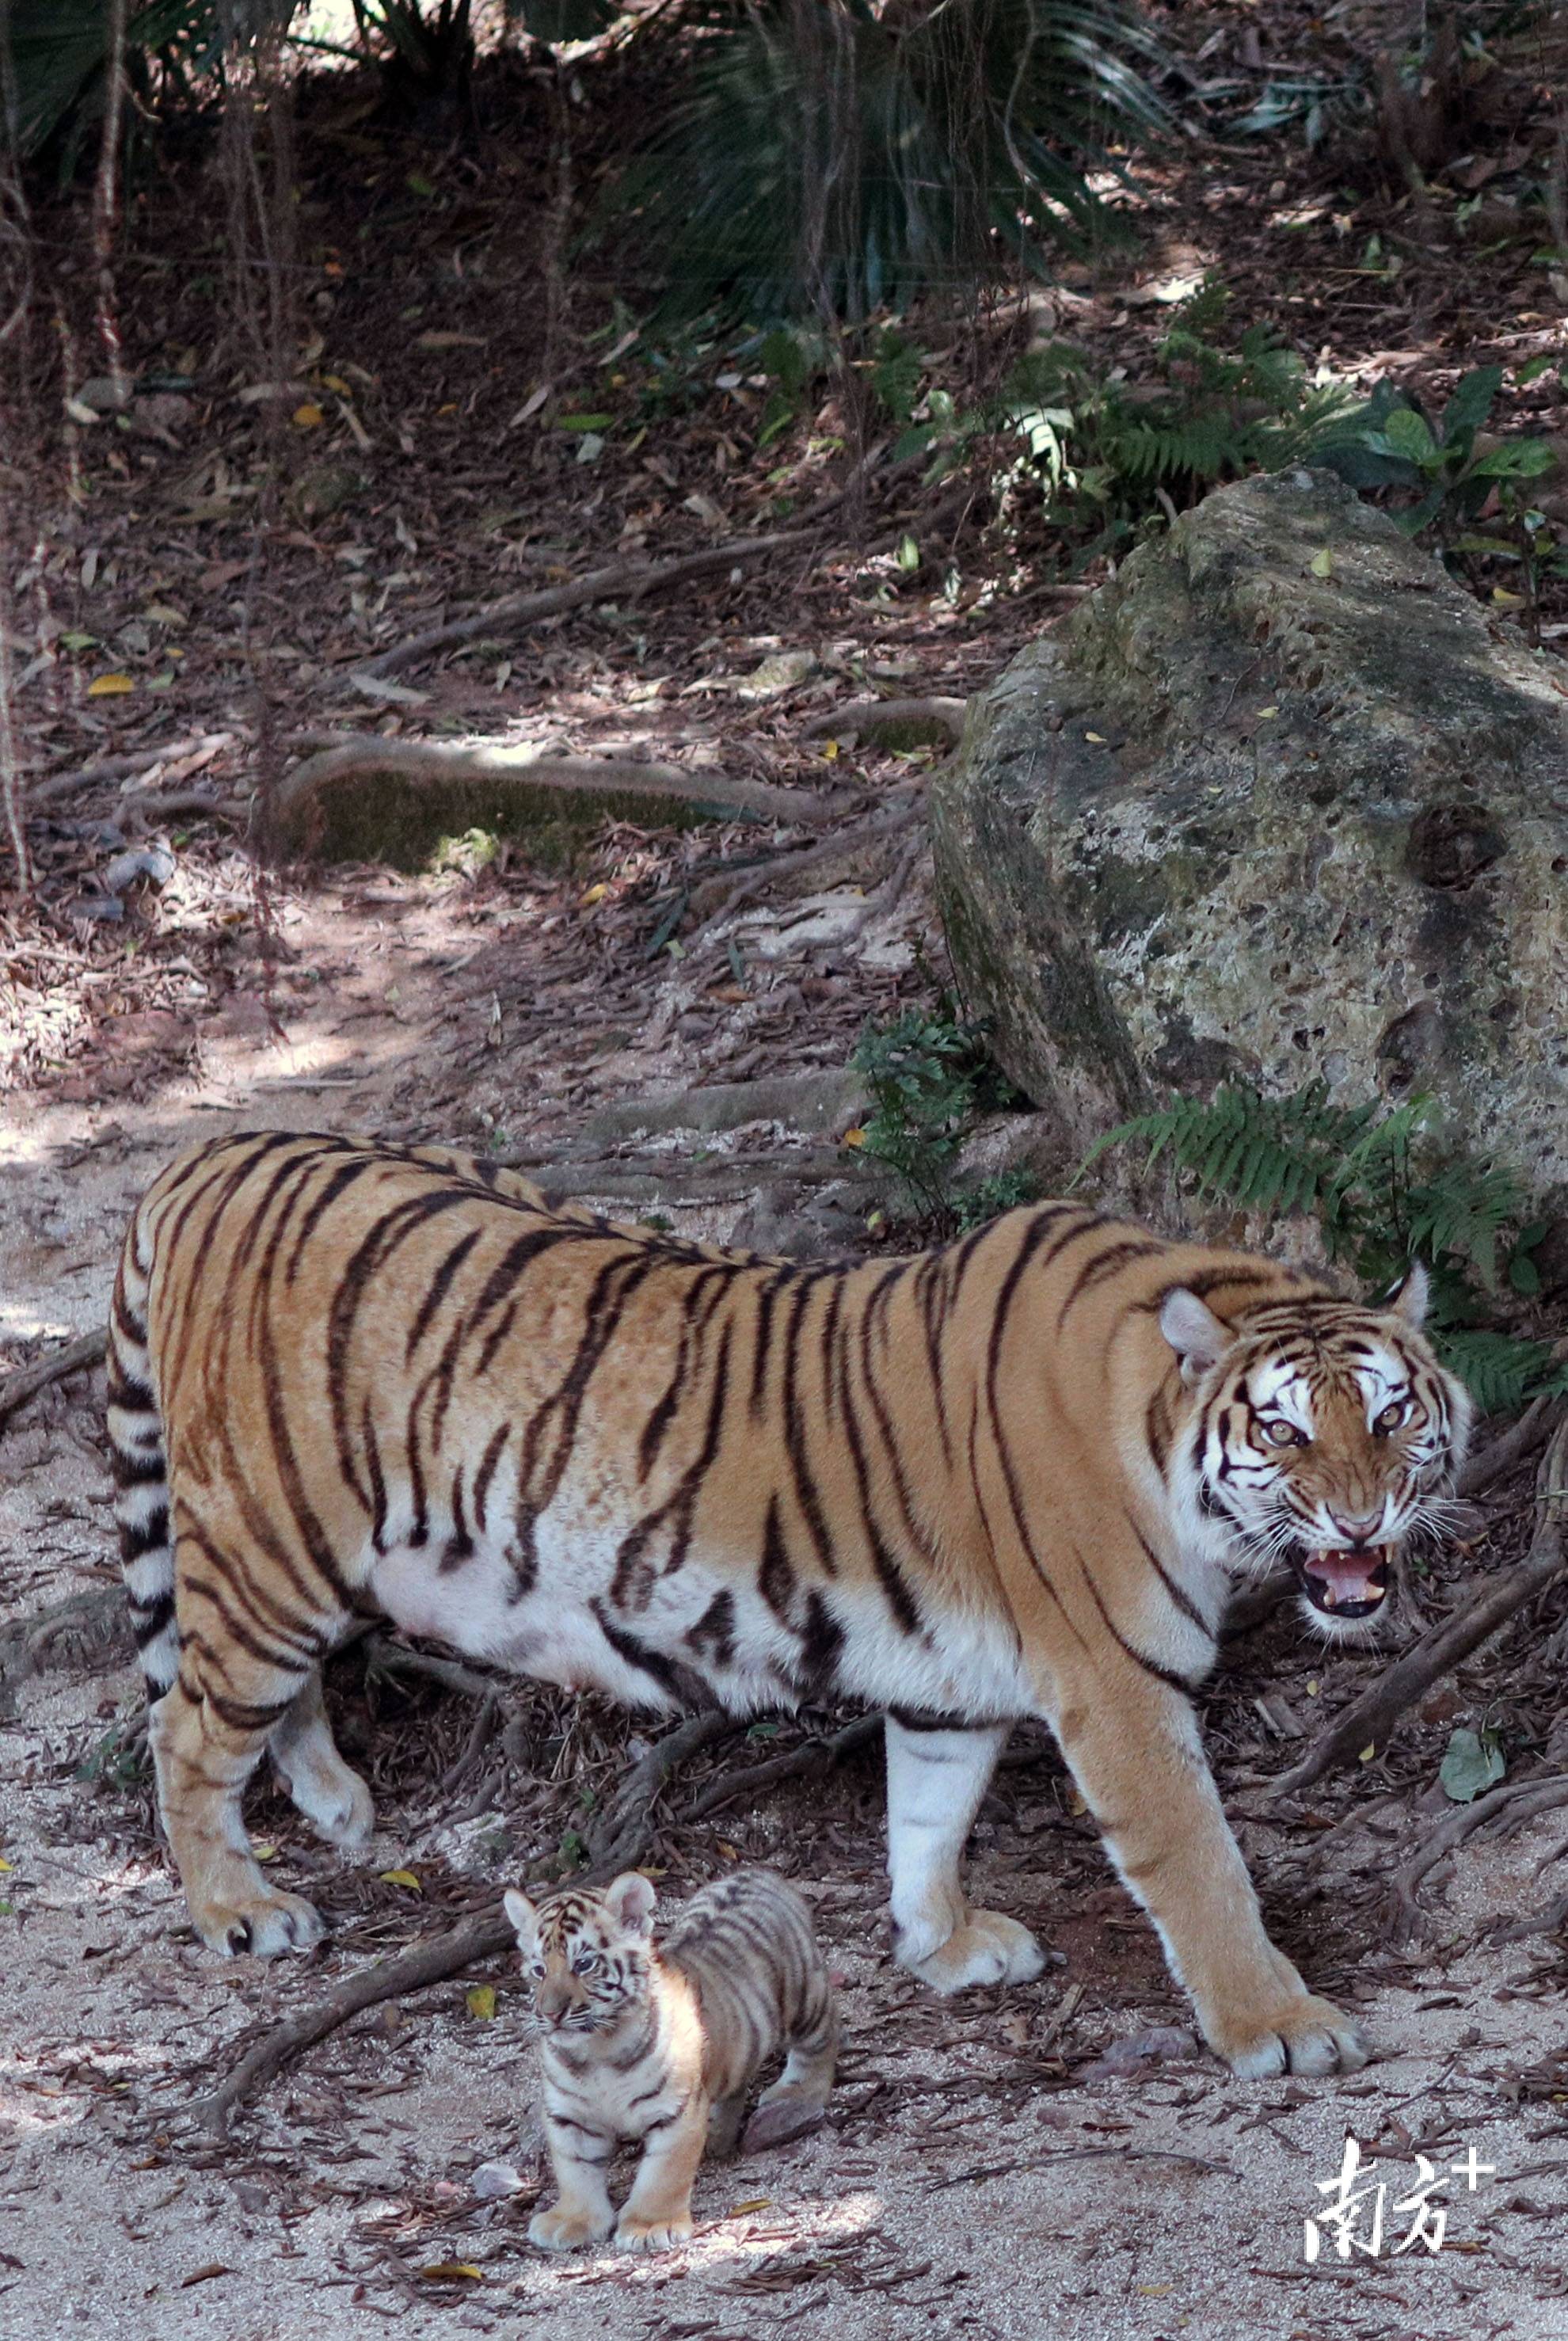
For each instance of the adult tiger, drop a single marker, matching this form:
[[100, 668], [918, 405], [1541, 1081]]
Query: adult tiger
[[1013, 1475]]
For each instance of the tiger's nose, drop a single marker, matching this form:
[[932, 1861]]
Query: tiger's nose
[[1357, 1528]]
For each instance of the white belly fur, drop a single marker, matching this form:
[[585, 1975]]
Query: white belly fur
[[964, 1664]]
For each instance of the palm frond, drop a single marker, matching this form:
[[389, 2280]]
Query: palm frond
[[827, 156]]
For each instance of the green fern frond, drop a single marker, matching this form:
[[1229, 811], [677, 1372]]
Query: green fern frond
[[1502, 1373], [1383, 1200]]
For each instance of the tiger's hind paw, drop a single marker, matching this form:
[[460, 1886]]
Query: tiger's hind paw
[[987, 1949], [778, 2121], [342, 1811], [270, 1923]]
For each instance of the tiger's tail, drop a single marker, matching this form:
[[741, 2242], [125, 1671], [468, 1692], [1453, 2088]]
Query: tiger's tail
[[135, 1431]]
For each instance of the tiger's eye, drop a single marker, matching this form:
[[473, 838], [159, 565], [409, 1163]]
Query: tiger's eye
[[1391, 1418], [1283, 1434], [584, 1963]]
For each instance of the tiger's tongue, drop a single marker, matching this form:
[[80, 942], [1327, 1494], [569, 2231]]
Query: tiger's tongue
[[1348, 1575]]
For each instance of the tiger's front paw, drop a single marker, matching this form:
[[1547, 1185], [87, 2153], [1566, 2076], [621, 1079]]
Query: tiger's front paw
[[263, 1924], [1302, 2034], [987, 1949], [564, 2230], [654, 2235]]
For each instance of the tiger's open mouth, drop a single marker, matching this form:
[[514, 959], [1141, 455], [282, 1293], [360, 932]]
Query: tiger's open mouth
[[1346, 1585]]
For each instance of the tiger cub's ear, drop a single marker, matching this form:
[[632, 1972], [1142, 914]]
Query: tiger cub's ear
[[1410, 1300], [1197, 1336], [629, 1899], [523, 1917]]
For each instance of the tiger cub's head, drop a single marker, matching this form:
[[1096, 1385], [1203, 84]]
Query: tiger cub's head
[[1323, 1434], [587, 1954]]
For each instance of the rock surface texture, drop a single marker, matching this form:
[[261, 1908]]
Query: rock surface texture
[[1275, 804]]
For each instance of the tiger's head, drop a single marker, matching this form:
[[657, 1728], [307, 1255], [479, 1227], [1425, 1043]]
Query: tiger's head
[[1322, 1434], [587, 1954]]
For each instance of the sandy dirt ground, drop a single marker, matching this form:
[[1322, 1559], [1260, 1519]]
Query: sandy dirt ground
[[984, 2172]]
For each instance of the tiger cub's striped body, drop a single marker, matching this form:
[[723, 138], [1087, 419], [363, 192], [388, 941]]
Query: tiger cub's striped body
[[661, 2046], [1014, 1476]]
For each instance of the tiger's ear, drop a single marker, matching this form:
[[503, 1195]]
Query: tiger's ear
[[629, 1899], [1197, 1336], [1410, 1301], [523, 1917]]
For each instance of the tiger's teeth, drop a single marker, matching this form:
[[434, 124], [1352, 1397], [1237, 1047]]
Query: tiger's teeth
[[1330, 1598]]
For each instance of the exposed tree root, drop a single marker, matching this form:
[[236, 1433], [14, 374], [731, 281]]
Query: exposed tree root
[[1369, 1719], [669, 1179], [622, 1836], [1533, 1426], [1518, 1802], [873, 715], [442, 761], [816, 1755], [28, 1381], [717, 898], [394, 1660]]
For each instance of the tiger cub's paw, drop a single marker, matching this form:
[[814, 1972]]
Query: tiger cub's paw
[[271, 1922], [1303, 2035], [654, 2235], [987, 1949], [561, 2230]]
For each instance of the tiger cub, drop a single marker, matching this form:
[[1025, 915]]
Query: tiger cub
[[661, 2044]]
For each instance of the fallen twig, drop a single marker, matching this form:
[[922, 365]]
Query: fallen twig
[[120, 768], [170, 804], [1367, 1721], [28, 1381], [1519, 1800], [440, 760], [626, 1831], [634, 576]]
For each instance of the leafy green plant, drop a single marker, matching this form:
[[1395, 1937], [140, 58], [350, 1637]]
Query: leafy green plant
[[930, 1077], [121, 1758], [1470, 488], [840, 157], [988, 1198], [1111, 455], [1385, 1196]]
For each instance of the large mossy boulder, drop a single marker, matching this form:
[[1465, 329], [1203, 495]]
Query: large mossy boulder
[[1276, 803]]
